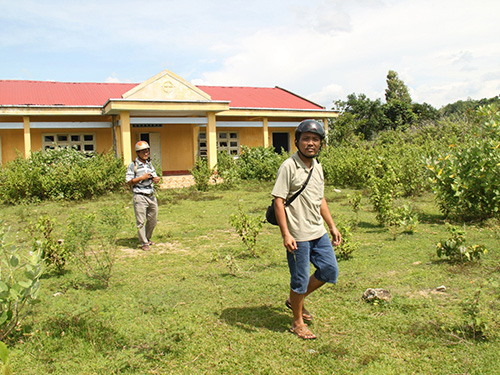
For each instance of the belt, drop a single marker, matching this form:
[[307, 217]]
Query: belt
[[146, 195]]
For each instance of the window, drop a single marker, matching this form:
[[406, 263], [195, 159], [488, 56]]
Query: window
[[80, 142], [226, 141]]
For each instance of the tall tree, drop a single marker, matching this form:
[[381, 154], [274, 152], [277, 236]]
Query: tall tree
[[396, 89]]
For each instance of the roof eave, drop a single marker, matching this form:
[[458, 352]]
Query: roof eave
[[53, 109], [278, 112]]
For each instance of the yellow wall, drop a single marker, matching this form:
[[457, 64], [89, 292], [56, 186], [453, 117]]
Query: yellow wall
[[104, 139], [176, 146], [177, 143], [12, 142]]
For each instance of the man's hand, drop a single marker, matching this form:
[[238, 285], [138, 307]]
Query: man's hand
[[290, 243], [336, 236], [156, 179]]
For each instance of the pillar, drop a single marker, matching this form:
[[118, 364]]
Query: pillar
[[211, 140], [265, 132], [27, 137], [126, 137]]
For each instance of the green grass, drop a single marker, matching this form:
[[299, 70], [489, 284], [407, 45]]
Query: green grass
[[180, 310]]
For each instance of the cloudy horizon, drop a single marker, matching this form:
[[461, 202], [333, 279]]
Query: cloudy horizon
[[323, 50]]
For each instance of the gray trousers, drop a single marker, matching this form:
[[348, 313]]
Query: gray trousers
[[146, 216]]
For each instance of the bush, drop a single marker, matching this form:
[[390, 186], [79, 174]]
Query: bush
[[61, 173], [227, 171], [455, 249], [91, 241], [19, 284], [259, 163], [202, 174], [465, 179]]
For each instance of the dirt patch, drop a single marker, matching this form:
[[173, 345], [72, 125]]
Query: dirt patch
[[158, 248]]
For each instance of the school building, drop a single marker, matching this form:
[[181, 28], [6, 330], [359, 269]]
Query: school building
[[179, 120]]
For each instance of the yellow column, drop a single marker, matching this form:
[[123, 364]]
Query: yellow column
[[211, 140], [126, 137], [325, 124], [27, 137], [265, 132], [196, 132]]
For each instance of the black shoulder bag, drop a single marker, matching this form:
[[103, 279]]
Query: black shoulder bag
[[271, 215]]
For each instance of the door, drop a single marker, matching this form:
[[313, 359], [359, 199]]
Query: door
[[154, 141], [281, 141]]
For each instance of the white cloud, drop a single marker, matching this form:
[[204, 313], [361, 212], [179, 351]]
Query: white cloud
[[444, 50]]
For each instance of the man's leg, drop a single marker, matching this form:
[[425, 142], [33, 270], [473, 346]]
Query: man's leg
[[152, 218], [140, 207], [298, 263], [314, 284]]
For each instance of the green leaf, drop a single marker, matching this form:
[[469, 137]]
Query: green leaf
[[14, 261], [4, 352], [3, 287], [3, 317], [25, 283]]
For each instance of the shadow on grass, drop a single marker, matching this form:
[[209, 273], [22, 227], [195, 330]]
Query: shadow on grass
[[251, 318], [131, 242], [427, 218]]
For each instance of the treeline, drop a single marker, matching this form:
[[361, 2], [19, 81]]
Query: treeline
[[363, 118]]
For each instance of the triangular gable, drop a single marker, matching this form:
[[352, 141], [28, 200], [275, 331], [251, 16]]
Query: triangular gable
[[166, 86]]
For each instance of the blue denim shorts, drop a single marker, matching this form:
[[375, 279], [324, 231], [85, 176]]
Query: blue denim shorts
[[320, 253]]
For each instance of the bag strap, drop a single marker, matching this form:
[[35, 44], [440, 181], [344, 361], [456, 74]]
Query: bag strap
[[289, 202]]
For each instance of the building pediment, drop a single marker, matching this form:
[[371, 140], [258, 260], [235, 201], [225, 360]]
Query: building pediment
[[166, 86]]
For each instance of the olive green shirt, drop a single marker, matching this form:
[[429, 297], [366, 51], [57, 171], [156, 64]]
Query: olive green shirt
[[303, 216]]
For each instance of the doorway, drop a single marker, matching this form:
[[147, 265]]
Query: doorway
[[281, 141], [154, 142]]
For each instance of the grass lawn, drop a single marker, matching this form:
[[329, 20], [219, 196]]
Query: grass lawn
[[198, 304]]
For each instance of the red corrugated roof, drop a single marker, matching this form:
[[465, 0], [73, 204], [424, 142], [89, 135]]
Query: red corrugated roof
[[17, 92], [60, 93], [258, 97]]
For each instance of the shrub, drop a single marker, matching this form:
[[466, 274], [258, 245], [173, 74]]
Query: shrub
[[60, 173], [259, 163], [202, 174], [91, 241], [347, 246], [227, 171], [53, 253], [455, 249], [19, 284], [465, 179], [248, 228]]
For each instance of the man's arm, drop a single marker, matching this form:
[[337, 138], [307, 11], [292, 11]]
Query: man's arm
[[288, 240], [327, 216]]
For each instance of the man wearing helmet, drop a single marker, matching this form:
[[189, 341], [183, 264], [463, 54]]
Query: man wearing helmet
[[141, 175], [301, 223]]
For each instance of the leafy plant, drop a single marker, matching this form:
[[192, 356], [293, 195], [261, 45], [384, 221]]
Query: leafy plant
[[4, 357], [347, 246], [227, 170], [259, 163], [247, 227], [60, 173], [202, 174], [19, 284], [53, 253], [91, 240], [465, 179], [455, 249], [354, 201], [383, 191]]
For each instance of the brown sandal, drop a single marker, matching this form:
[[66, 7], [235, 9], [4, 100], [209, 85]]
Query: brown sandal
[[305, 314], [303, 332]]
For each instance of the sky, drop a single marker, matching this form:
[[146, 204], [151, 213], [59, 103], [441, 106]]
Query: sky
[[323, 50]]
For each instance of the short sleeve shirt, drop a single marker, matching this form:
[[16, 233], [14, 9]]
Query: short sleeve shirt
[[145, 186], [303, 216]]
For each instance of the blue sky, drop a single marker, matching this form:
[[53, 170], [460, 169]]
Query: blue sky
[[444, 50]]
